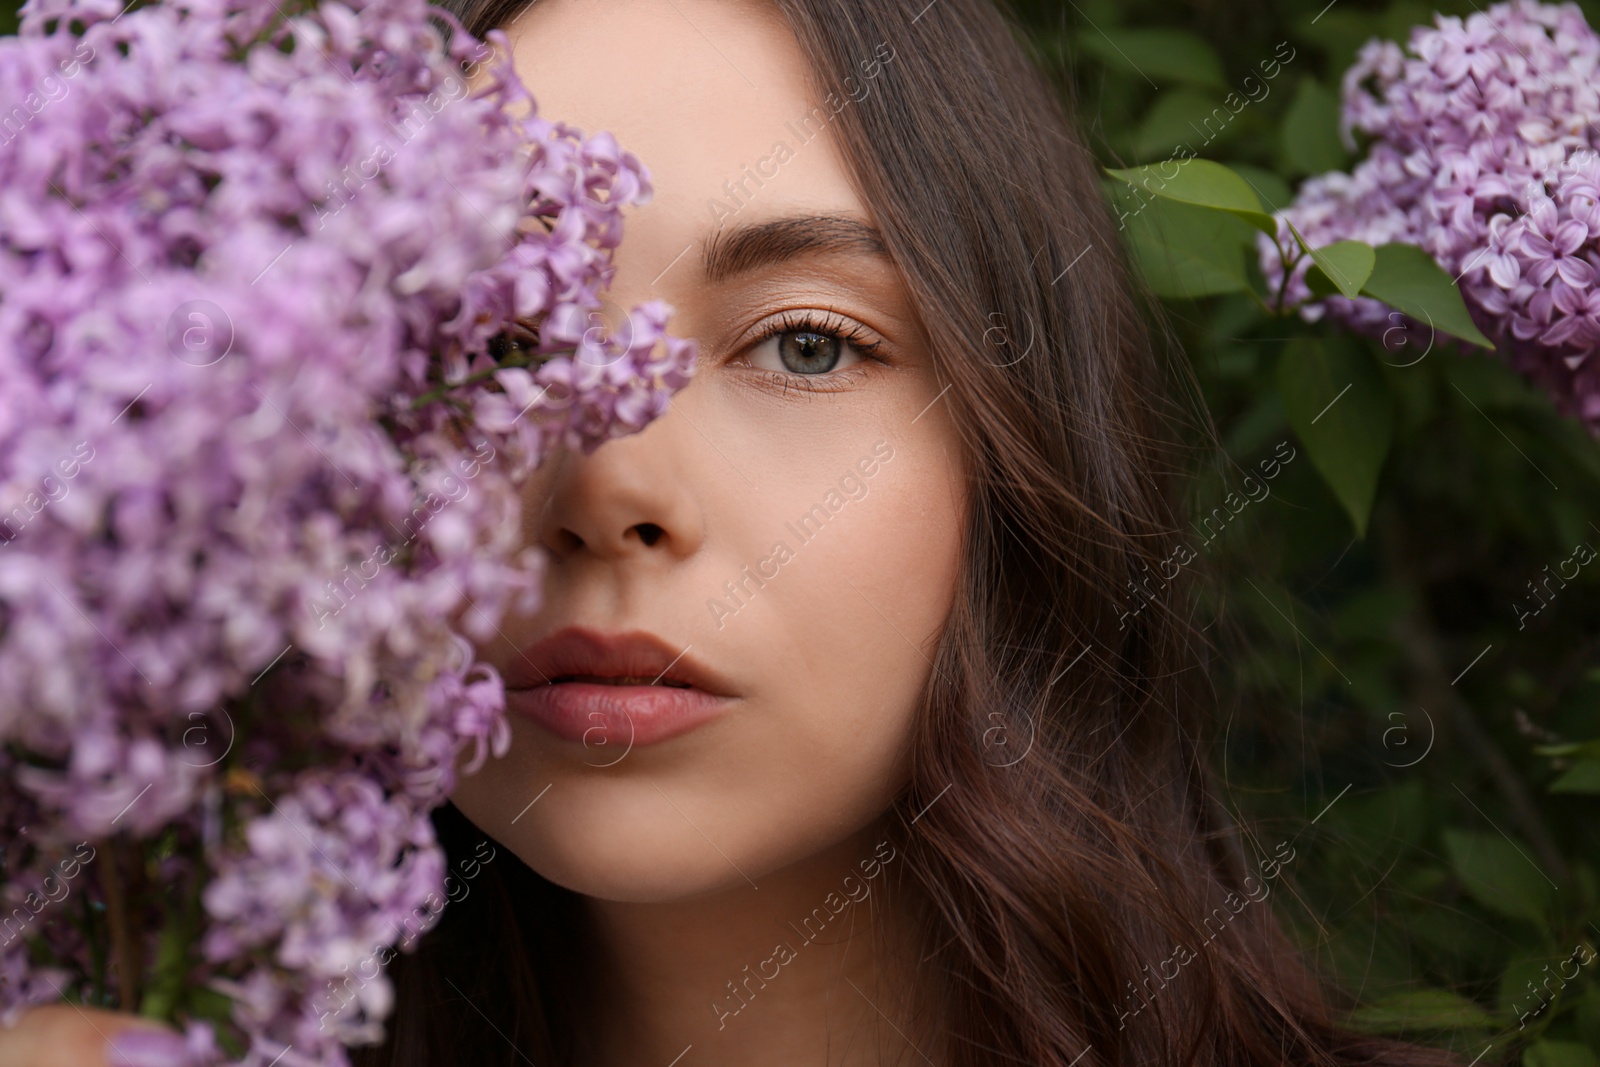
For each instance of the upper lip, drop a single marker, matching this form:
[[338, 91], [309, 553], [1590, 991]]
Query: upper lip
[[577, 650]]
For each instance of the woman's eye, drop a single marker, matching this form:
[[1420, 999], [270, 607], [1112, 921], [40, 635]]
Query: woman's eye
[[804, 351]]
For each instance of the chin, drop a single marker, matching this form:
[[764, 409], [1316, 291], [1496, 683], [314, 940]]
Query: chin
[[630, 869], [613, 840], [618, 838]]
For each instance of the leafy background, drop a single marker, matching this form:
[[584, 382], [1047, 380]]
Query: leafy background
[[1389, 660], [1431, 751]]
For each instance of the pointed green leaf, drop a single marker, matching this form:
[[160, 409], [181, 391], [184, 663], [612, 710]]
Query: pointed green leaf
[[1346, 265], [1203, 183], [1585, 749], [1339, 405], [1180, 118], [1273, 192], [1310, 131], [1425, 1009], [1407, 279], [1318, 282], [1187, 252], [1582, 777], [1519, 994], [1500, 875]]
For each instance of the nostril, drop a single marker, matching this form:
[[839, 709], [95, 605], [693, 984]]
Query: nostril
[[649, 532]]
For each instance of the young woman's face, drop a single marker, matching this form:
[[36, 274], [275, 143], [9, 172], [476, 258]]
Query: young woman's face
[[791, 525]]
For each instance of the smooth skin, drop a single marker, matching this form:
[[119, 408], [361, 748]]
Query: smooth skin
[[699, 855]]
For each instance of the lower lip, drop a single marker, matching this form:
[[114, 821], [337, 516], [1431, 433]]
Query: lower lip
[[596, 714]]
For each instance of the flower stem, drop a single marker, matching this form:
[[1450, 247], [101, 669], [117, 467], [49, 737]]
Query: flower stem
[[1288, 269], [124, 945], [445, 390]]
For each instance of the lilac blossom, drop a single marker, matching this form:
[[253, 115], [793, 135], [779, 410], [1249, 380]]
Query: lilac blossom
[[1481, 144], [313, 286]]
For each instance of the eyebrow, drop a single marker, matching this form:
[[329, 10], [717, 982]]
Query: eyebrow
[[744, 248]]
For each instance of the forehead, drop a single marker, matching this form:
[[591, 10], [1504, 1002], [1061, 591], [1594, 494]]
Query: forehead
[[715, 97]]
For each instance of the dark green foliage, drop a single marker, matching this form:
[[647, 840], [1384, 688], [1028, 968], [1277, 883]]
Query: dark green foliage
[[1413, 680]]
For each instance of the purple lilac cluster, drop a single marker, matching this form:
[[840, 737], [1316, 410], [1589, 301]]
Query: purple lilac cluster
[[291, 298], [1481, 150]]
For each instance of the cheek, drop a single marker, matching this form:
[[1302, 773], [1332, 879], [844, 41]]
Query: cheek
[[852, 636], [844, 636], [832, 653]]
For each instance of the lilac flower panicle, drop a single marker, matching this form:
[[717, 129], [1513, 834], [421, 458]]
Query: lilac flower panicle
[[1481, 137], [260, 448]]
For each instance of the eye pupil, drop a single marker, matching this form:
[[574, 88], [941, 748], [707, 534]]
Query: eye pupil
[[808, 352]]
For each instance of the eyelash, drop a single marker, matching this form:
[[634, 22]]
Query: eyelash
[[830, 324]]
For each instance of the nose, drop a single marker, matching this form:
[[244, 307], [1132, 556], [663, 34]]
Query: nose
[[629, 498]]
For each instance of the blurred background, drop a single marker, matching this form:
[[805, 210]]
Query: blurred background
[[1412, 683], [1415, 686]]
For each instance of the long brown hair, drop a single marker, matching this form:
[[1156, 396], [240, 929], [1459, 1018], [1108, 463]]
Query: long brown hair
[[1090, 901]]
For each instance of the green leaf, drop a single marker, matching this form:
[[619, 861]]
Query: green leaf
[[1344, 264], [1425, 1009], [1273, 192], [1203, 183], [1582, 777], [1339, 405], [1178, 119], [1559, 1054], [1588, 1015], [1407, 279], [1586, 749], [1187, 252], [171, 967], [1520, 996], [1499, 875], [206, 1003], [1310, 132], [1159, 55]]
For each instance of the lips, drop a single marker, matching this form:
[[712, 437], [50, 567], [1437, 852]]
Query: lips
[[610, 692]]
